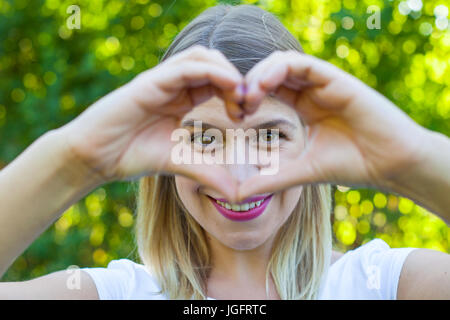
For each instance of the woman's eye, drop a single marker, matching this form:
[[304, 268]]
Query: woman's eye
[[269, 137], [203, 139]]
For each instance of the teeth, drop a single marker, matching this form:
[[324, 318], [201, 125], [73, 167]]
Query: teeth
[[242, 207]]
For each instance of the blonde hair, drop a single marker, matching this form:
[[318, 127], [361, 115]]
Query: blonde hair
[[171, 244]]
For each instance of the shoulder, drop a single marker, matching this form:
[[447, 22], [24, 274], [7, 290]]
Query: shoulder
[[370, 271], [124, 279], [425, 275], [335, 255]]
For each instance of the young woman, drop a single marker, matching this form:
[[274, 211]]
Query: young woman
[[225, 231]]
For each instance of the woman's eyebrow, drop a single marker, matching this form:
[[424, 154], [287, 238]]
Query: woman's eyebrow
[[265, 125], [195, 123], [276, 123]]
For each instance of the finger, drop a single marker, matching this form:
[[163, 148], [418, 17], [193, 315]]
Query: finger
[[314, 70], [204, 54], [211, 175], [194, 74], [232, 98], [291, 174], [258, 88], [238, 94], [294, 70], [267, 80], [197, 97], [214, 56], [233, 109], [261, 65], [221, 59], [251, 104], [202, 94]]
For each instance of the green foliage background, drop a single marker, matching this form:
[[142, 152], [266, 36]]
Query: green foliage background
[[50, 74]]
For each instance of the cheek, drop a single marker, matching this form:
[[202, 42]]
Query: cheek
[[187, 190]]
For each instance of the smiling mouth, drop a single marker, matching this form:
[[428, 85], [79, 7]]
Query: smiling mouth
[[247, 210]]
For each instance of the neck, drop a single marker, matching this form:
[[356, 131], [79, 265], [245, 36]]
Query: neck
[[237, 271]]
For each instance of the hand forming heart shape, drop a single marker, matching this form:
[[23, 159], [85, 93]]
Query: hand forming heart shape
[[356, 136]]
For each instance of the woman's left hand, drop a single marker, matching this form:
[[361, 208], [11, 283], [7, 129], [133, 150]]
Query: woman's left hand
[[356, 136]]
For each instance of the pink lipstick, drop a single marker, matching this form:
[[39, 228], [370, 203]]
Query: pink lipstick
[[251, 208]]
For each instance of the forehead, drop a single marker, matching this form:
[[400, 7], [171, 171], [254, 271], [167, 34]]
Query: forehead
[[213, 111]]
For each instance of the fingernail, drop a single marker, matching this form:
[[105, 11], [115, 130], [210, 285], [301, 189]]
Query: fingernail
[[239, 118], [243, 88], [241, 91], [249, 107]]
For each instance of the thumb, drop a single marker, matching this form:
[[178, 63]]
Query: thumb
[[211, 175], [296, 172]]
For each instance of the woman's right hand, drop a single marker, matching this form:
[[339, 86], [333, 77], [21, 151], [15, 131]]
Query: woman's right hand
[[127, 133]]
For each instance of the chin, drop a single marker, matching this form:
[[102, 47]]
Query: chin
[[243, 240]]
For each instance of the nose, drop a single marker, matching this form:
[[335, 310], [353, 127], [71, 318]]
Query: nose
[[241, 159]]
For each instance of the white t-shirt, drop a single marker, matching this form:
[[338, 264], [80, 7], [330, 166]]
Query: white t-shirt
[[370, 271]]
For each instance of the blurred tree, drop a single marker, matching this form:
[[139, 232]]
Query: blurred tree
[[50, 74]]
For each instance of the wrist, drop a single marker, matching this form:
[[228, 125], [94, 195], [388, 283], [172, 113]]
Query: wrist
[[73, 171]]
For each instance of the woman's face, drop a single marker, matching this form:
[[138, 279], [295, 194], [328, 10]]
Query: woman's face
[[257, 219]]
